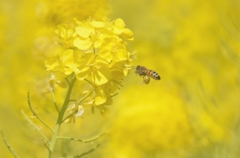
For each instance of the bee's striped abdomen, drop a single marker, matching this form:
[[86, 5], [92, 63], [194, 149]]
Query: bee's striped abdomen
[[153, 74]]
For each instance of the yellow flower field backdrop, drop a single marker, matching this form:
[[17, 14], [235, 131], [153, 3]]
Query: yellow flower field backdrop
[[193, 111]]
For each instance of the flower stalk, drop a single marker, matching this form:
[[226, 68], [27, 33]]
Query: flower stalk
[[60, 117]]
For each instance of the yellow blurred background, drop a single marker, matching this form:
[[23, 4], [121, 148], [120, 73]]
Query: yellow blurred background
[[193, 111]]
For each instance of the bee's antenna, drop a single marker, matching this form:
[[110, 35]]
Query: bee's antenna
[[128, 67], [133, 67]]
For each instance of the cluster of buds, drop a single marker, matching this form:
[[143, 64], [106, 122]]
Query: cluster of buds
[[94, 51]]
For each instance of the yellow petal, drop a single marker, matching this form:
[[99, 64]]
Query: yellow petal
[[97, 24], [119, 23], [84, 30], [67, 55], [82, 44], [106, 54], [101, 74], [82, 73], [67, 70], [99, 78], [120, 52], [127, 34], [100, 97]]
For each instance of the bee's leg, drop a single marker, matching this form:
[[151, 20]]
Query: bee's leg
[[146, 80]]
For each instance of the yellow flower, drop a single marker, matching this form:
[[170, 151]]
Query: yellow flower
[[61, 62], [96, 71], [120, 69], [88, 35], [94, 34], [66, 34], [119, 29], [114, 52], [96, 52], [84, 31]]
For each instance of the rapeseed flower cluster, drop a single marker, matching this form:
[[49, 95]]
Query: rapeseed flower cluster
[[94, 51]]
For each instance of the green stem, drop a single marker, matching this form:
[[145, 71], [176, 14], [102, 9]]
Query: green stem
[[88, 152], [8, 146], [86, 140], [83, 154], [54, 101], [35, 127], [67, 81], [88, 81], [118, 83], [60, 117], [35, 113]]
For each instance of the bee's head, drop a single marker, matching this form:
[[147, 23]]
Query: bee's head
[[138, 67]]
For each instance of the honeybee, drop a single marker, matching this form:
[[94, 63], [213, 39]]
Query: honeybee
[[146, 74]]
